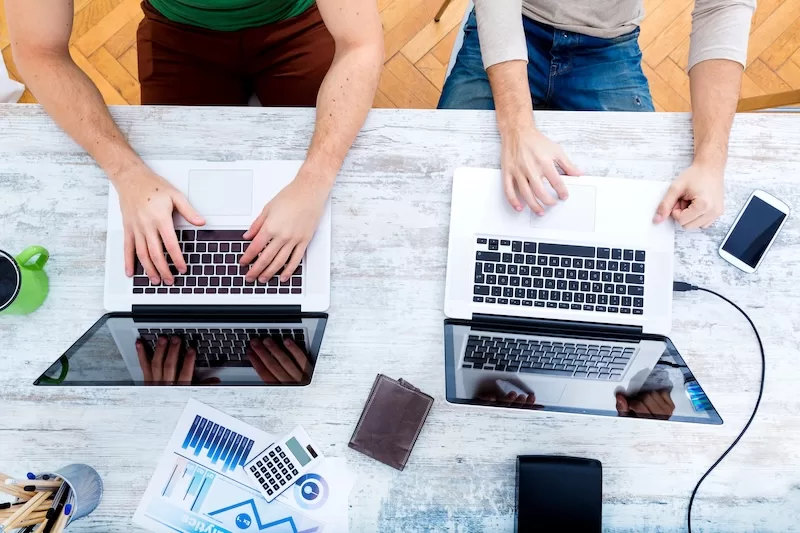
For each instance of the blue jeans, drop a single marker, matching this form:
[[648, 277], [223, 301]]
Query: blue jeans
[[566, 71]]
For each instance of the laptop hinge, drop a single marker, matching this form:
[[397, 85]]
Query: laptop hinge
[[560, 325], [249, 311]]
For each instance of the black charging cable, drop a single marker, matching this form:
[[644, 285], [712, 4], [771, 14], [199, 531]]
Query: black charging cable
[[680, 286]]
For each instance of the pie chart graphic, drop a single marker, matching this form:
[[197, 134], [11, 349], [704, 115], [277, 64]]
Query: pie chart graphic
[[311, 491]]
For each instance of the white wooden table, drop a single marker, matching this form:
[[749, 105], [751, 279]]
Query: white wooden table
[[391, 212]]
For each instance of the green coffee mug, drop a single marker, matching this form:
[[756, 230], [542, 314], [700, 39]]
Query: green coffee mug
[[23, 283]]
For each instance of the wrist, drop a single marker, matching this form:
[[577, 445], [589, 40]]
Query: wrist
[[515, 123], [316, 177], [712, 158], [124, 170]]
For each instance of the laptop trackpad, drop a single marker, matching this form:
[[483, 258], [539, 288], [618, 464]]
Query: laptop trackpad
[[547, 391], [221, 192], [575, 214]]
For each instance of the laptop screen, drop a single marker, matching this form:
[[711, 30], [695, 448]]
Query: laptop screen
[[123, 350], [636, 378]]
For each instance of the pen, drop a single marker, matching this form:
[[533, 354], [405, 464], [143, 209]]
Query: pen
[[56, 499]]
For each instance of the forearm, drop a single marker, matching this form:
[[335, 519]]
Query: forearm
[[75, 104], [343, 102], [512, 96], [715, 86]]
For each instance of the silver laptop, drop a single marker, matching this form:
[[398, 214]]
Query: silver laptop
[[229, 196], [564, 308]]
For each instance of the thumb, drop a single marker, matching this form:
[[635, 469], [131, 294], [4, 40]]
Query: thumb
[[567, 166], [183, 207], [622, 404], [665, 207]]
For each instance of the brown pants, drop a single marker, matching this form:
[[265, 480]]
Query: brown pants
[[282, 63]]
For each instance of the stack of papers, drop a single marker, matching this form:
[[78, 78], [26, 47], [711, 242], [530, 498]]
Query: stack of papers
[[200, 484]]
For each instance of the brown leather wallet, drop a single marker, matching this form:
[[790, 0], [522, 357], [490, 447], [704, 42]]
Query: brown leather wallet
[[391, 421]]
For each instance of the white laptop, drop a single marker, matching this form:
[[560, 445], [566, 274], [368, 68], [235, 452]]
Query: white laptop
[[569, 307], [229, 195]]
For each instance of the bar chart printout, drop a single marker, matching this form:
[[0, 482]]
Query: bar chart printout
[[200, 485]]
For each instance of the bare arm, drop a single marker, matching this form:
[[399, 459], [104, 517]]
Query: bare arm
[[286, 225], [40, 33], [40, 38], [718, 52], [715, 87], [527, 157]]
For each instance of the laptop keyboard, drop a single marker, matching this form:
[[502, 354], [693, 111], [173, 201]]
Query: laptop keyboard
[[222, 347], [212, 258], [559, 276], [605, 362]]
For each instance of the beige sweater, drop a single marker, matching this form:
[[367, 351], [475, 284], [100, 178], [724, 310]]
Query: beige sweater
[[720, 28]]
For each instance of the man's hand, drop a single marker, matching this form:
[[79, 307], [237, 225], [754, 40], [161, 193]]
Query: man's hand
[[286, 365], [283, 230], [528, 158], [651, 404], [147, 201], [163, 368], [695, 199]]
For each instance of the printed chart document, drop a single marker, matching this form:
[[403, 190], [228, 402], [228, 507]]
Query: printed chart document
[[200, 485]]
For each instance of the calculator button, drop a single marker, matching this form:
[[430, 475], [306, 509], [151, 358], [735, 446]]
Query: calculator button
[[283, 470], [294, 472], [272, 454], [253, 469], [283, 482], [278, 449], [287, 461], [273, 469], [275, 486], [264, 469], [269, 491], [259, 463], [283, 455]]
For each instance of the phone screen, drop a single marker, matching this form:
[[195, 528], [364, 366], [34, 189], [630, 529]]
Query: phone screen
[[755, 230]]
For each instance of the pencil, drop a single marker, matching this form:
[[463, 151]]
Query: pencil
[[54, 484], [25, 510]]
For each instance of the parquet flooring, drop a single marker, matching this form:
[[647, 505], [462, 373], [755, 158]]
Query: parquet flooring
[[418, 49]]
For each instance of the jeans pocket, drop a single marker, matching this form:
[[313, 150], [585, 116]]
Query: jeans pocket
[[630, 36]]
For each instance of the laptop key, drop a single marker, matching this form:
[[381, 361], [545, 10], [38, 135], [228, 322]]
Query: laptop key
[[634, 279], [487, 256], [638, 268], [603, 253], [140, 281], [481, 290], [637, 311], [639, 255], [635, 290], [588, 308], [220, 235]]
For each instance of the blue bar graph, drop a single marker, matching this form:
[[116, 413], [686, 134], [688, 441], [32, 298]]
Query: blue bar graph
[[221, 444], [204, 488], [246, 451]]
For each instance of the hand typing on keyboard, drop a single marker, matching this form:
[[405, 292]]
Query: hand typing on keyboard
[[283, 230], [279, 365], [161, 366], [147, 201], [650, 404]]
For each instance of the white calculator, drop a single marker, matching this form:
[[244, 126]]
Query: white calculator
[[275, 469]]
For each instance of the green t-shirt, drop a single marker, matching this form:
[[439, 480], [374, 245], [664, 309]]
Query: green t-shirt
[[230, 15]]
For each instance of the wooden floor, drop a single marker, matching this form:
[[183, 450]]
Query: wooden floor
[[418, 49]]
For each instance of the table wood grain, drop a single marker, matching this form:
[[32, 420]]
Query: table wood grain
[[391, 214]]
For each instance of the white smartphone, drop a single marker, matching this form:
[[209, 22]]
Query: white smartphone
[[754, 231]]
